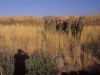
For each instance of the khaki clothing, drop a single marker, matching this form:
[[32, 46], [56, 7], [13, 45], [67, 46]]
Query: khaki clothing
[[73, 28], [79, 29], [45, 26], [80, 25], [59, 27], [68, 28]]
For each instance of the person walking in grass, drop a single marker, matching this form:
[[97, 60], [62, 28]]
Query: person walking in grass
[[59, 26], [64, 26], [79, 28], [53, 26], [46, 25], [73, 28], [68, 30]]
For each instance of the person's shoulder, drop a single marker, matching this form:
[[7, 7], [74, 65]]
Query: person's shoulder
[[15, 55]]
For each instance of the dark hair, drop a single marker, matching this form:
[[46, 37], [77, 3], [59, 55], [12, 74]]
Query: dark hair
[[19, 50], [80, 18], [59, 20]]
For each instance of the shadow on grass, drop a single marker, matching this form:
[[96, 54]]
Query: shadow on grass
[[19, 66]]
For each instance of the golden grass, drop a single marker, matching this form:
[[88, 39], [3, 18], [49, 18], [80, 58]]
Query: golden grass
[[1, 70], [32, 38], [34, 20]]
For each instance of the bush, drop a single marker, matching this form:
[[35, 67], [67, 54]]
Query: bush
[[40, 64]]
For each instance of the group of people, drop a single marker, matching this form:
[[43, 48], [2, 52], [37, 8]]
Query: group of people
[[67, 26]]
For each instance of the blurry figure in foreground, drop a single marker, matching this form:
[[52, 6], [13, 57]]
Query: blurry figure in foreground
[[19, 65]]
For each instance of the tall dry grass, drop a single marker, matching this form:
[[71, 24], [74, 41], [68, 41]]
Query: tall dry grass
[[32, 38], [34, 20], [28, 34]]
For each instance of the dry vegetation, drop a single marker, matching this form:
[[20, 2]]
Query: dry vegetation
[[77, 53], [34, 20]]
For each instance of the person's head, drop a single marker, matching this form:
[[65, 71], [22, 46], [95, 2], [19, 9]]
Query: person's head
[[80, 19], [59, 21], [19, 51], [69, 20], [52, 21], [75, 20]]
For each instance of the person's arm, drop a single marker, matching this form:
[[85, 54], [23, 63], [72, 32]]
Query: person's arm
[[25, 54]]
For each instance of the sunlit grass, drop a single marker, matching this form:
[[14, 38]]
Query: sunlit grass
[[31, 38]]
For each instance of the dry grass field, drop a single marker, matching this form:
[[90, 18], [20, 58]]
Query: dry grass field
[[76, 54]]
